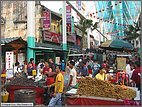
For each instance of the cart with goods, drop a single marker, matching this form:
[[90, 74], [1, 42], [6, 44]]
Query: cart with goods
[[97, 92], [24, 83]]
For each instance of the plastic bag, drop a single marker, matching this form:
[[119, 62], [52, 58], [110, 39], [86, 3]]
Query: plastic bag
[[4, 95]]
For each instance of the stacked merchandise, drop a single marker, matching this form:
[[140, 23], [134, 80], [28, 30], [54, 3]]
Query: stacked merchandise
[[22, 81], [92, 87]]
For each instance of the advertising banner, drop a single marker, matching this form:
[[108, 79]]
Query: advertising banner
[[68, 18], [46, 19], [52, 37], [9, 60]]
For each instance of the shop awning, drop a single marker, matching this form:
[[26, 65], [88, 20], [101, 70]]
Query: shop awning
[[14, 43], [47, 46], [9, 40]]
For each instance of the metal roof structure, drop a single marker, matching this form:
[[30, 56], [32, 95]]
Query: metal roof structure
[[116, 14], [9, 40]]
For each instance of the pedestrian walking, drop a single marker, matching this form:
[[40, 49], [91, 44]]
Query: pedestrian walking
[[59, 85]]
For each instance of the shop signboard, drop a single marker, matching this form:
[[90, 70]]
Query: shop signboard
[[71, 38], [78, 32], [78, 4], [52, 37], [121, 63], [68, 18], [46, 19], [57, 60]]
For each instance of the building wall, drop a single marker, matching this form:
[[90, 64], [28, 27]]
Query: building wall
[[15, 11]]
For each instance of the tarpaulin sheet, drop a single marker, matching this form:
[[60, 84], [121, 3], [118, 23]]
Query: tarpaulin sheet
[[91, 101]]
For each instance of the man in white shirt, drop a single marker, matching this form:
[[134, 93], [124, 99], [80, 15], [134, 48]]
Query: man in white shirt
[[17, 70], [73, 74], [128, 69]]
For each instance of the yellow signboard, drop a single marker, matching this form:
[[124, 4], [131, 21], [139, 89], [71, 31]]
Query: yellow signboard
[[121, 63]]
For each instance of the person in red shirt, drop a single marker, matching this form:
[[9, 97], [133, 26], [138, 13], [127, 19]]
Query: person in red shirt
[[104, 65], [136, 75], [46, 69]]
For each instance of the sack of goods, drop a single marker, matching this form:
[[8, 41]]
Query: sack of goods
[[92, 87]]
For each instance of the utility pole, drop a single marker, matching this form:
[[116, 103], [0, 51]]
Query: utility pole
[[30, 29], [64, 26]]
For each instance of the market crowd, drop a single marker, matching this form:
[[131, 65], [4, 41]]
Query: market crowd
[[68, 71]]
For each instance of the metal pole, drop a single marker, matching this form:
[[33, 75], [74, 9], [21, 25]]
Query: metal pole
[[88, 37], [30, 29], [64, 26]]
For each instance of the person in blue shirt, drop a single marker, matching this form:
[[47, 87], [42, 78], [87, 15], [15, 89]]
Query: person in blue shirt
[[63, 65], [95, 68], [84, 70]]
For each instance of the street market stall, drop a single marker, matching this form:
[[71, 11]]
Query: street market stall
[[96, 92]]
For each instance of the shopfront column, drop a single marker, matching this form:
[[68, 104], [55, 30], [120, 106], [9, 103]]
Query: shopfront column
[[31, 29], [64, 26]]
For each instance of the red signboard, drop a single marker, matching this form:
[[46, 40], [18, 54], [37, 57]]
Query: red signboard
[[71, 38], [52, 37], [47, 19]]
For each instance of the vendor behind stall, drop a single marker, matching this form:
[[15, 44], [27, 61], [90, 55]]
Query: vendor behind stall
[[102, 75], [59, 85]]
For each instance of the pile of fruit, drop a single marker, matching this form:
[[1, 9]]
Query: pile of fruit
[[92, 87]]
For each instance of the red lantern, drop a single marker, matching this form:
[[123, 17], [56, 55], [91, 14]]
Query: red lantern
[[94, 16], [97, 18], [96, 12], [93, 13]]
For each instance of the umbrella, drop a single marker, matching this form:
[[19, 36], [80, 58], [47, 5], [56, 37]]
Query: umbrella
[[117, 44]]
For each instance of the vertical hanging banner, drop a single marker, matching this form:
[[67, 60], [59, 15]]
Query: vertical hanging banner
[[68, 18], [9, 60], [78, 4], [47, 19]]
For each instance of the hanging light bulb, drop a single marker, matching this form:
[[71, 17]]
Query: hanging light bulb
[[138, 32], [103, 9]]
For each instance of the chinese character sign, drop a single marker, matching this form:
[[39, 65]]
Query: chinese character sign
[[47, 19], [9, 60]]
